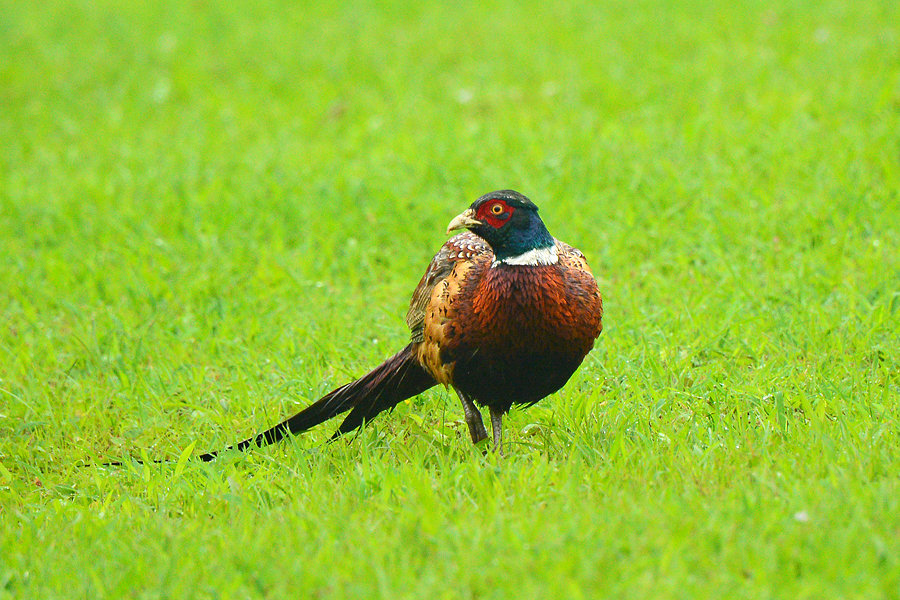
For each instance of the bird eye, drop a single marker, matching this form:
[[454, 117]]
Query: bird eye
[[497, 209]]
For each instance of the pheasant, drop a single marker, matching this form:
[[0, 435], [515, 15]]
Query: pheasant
[[504, 314]]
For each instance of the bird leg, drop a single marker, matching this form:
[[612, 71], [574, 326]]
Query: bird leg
[[473, 419], [497, 429]]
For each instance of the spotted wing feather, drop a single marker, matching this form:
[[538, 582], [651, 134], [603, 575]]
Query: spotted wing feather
[[581, 285], [461, 248]]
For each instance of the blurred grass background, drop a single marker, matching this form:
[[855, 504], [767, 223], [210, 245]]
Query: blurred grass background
[[213, 213]]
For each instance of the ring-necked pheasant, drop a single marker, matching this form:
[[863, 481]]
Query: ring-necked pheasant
[[504, 314]]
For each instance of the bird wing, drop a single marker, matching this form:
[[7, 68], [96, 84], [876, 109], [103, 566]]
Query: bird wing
[[580, 283], [463, 247], [570, 251]]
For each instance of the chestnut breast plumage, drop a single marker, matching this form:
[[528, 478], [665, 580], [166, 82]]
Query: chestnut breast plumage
[[508, 333]]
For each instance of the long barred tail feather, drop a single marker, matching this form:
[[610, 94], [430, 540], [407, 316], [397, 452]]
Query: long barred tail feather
[[393, 381]]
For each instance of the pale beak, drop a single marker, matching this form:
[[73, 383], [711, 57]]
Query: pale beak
[[463, 221]]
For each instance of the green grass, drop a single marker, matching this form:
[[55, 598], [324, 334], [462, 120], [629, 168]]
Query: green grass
[[211, 215]]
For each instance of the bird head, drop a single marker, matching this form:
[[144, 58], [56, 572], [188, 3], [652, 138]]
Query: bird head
[[507, 221]]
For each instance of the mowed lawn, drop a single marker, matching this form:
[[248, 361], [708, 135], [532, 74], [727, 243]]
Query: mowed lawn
[[211, 215]]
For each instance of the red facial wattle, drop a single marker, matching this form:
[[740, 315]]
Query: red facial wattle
[[495, 213]]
